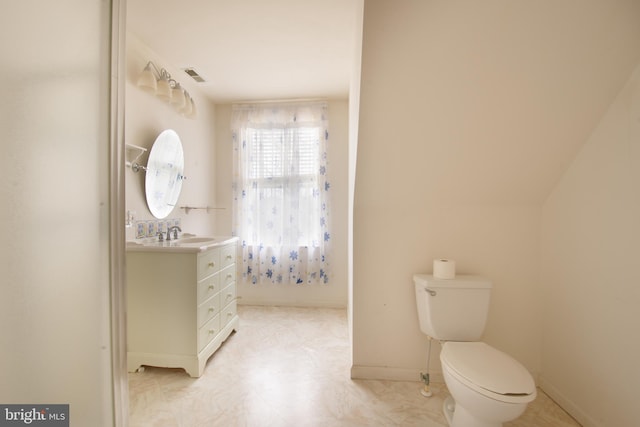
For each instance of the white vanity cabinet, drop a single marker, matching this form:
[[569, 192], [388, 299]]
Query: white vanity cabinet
[[181, 305]]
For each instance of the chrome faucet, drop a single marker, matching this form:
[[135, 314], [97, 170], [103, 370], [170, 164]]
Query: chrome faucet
[[175, 230]]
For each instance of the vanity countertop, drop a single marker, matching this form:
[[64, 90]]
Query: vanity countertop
[[182, 245]]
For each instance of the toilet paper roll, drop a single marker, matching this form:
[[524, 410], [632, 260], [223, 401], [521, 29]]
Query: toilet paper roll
[[444, 269]]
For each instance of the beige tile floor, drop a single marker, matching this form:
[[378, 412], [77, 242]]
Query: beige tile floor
[[290, 367]]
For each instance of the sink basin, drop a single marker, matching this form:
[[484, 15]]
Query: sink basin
[[195, 240]]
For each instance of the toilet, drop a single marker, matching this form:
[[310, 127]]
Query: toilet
[[488, 387]]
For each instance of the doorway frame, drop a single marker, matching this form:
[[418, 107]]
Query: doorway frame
[[117, 238]]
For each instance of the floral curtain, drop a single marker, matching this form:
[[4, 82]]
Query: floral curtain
[[280, 185]]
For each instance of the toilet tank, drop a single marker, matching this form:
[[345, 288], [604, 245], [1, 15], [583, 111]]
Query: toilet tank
[[452, 309]]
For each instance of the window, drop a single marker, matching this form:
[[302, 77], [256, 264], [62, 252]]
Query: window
[[284, 164], [280, 186]]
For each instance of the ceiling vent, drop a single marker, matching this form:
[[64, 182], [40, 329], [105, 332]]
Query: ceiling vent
[[194, 74]]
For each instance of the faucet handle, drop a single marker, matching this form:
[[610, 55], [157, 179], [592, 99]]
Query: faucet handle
[[161, 236]]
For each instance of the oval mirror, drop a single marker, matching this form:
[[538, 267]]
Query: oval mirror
[[164, 177]]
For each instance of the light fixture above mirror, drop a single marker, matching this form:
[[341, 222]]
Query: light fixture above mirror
[[160, 83]]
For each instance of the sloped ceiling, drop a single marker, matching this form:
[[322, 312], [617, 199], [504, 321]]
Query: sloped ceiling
[[253, 49], [485, 102]]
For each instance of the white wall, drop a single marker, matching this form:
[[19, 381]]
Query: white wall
[[354, 124], [335, 293], [589, 270], [428, 186], [55, 336], [224, 168], [393, 242], [146, 117], [470, 112]]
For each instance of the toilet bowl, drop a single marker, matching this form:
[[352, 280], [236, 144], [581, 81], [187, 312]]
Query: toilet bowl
[[488, 387]]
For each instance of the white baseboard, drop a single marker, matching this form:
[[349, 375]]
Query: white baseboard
[[391, 374], [567, 404]]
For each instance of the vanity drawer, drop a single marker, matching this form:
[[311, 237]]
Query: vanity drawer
[[228, 255], [208, 287], [227, 276], [208, 310], [228, 313], [208, 332], [227, 295], [208, 263]]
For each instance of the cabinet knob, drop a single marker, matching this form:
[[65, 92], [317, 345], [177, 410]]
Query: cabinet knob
[[212, 264], [211, 309], [212, 331], [211, 287], [229, 257]]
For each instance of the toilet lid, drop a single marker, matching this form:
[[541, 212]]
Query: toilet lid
[[488, 368]]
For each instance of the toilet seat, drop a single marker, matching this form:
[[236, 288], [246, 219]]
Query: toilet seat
[[488, 371]]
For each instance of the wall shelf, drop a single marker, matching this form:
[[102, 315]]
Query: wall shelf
[[132, 153]]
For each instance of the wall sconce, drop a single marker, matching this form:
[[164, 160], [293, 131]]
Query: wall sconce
[[161, 84]]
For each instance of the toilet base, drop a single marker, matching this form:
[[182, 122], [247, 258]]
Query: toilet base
[[448, 407], [457, 416]]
